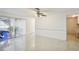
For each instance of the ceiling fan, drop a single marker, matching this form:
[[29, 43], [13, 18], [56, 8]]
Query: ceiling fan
[[39, 13]]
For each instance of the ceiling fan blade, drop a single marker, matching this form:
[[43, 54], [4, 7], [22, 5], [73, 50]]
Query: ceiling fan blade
[[38, 12], [37, 8], [42, 14]]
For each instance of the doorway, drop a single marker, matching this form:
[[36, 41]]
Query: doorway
[[72, 28]]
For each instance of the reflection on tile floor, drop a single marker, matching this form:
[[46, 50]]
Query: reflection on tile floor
[[39, 43]]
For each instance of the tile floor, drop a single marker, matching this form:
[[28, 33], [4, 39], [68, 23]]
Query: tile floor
[[39, 43]]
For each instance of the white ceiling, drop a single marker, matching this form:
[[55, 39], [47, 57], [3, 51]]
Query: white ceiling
[[21, 12], [30, 12], [59, 9], [67, 11]]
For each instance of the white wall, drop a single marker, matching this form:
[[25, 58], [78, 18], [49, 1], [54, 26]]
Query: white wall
[[30, 26], [53, 26]]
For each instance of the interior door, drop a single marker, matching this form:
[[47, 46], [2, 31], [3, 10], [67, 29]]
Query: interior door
[[71, 27]]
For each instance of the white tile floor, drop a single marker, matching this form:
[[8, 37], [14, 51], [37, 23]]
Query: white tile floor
[[39, 43]]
